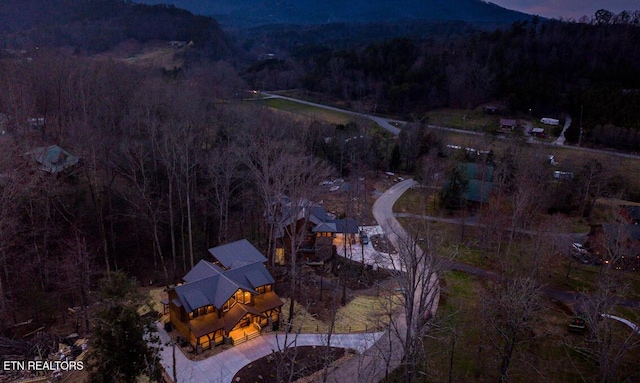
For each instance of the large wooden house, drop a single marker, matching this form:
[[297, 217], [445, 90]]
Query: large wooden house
[[229, 299], [313, 228]]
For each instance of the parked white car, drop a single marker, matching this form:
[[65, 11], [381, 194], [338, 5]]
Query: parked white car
[[578, 248]]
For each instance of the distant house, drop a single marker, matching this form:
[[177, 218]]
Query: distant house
[[618, 244], [550, 121], [227, 300], [479, 182], [177, 44], [36, 122], [630, 214], [53, 159], [491, 109], [538, 132], [560, 175], [506, 123], [314, 228]]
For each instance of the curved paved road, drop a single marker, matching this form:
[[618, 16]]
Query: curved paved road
[[383, 213], [388, 124], [222, 367], [387, 352], [383, 122]]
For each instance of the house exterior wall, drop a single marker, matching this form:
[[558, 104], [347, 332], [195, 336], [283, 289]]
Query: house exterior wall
[[616, 244], [178, 316], [305, 238], [180, 320]]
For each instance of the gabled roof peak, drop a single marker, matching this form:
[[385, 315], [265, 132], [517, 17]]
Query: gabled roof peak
[[236, 254]]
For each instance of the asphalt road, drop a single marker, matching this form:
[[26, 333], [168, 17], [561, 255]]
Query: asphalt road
[[386, 354], [391, 126], [383, 212], [385, 123]]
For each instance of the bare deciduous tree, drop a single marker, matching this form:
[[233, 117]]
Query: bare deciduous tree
[[417, 265], [143, 198], [223, 169], [78, 267], [509, 308], [611, 344]]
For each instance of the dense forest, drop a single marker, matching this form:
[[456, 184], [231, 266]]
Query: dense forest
[[535, 67], [246, 13], [164, 174], [96, 26], [140, 196], [588, 69], [160, 165]]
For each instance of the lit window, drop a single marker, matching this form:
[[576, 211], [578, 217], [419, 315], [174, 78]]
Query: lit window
[[229, 304]]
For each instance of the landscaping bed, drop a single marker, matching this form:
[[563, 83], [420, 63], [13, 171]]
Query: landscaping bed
[[307, 361]]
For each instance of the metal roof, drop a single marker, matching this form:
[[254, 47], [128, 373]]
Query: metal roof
[[208, 284], [347, 226], [267, 301], [201, 270], [224, 289], [238, 251], [325, 227], [53, 159], [195, 298], [250, 276]]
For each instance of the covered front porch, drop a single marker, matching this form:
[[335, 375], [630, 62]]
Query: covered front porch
[[239, 324], [244, 334]]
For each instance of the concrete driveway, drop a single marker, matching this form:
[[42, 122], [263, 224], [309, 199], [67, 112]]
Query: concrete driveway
[[221, 367], [383, 354]]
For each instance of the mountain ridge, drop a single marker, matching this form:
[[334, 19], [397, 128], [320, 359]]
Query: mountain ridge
[[241, 13], [95, 26]]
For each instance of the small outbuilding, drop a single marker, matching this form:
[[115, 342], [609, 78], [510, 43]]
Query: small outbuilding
[[507, 123], [491, 109], [538, 132]]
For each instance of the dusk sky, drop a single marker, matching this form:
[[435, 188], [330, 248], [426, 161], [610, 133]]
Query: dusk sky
[[567, 8]]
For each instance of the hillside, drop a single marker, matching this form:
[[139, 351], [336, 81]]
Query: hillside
[[95, 26], [308, 12]]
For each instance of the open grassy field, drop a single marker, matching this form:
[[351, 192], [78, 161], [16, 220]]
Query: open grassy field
[[466, 247], [462, 340], [361, 314], [312, 113], [309, 111], [474, 120], [153, 54], [417, 201]]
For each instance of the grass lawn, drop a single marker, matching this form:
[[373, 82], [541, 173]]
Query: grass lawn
[[469, 255], [581, 277], [417, 201], [361, 314], [569, 159], [309, 111], [544, 357], [474, 120]]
